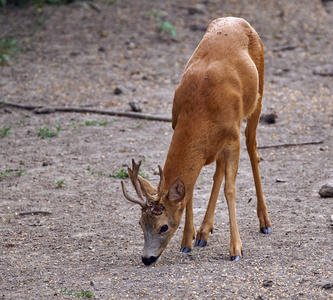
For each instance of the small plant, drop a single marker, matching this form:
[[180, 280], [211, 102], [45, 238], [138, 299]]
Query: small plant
[[20, 172], [100, 173], [45, 132], [57, 126], [82, 294], [141, 123], [5, 174], [119, 175], [123, 174], [8, 47], [92, 172], [60, 182], [143, 174], [95, 123], [163, 26], [5, 131], [72, 124]]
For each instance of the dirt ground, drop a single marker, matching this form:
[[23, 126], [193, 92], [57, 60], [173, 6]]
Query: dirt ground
[[90, 242]]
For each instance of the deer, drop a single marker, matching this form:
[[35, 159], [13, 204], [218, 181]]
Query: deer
[[222, 84]]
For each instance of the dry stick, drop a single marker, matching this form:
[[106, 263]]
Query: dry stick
[[284, 48], [323, 73], [46, 110], [290, 144], [17, 105], [24, 213]]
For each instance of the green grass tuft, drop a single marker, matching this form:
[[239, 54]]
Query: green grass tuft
[[60, 182], [5, 131], [8, 48], [163, 26], [7, 172], [119, 175], [82, 294], [45, 132], [95, 123], [122, 174]]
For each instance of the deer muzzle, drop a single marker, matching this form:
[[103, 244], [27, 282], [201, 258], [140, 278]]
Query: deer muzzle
[[149, 260]]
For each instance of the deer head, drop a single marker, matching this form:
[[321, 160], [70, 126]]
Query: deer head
[[161, 211]]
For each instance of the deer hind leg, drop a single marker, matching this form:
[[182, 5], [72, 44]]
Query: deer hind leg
[[231, 157], [208, 221], [251, 144]]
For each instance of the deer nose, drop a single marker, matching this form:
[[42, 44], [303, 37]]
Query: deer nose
[[149, 260]]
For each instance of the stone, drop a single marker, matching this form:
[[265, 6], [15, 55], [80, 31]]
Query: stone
[[326, 191]]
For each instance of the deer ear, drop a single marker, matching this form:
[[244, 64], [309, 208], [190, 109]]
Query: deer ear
[[177, 191]]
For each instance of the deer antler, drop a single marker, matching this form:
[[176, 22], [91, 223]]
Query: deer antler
[[141, 189], [133, 175], [142, 203], [162, 181], [154, 198]]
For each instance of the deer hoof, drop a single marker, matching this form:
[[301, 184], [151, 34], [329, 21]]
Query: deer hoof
[[185, 250], [235, 258], [200, 243], [266, 230]]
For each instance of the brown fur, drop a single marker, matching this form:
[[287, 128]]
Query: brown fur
[[222, 84]]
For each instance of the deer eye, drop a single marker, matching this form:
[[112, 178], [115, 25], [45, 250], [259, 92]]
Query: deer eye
[[164, 228]]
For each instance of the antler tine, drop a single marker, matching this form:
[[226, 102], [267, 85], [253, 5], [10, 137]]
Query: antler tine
[[162, 181], [142, 203], [133, 175]]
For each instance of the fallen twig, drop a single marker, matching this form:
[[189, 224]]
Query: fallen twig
[[323, 73], [37, 212], [17, 105], [284, 48], [290, 144], [46, 110]]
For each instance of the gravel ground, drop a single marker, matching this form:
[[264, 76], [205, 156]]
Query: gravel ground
[[87, 240]]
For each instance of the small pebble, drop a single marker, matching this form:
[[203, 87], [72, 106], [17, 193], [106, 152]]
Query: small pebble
[[117, 91], [135, 106], [267, 283], [268, 118], [326, 191]]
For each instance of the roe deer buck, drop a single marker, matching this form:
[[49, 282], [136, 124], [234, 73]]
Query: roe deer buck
[[222, 83]]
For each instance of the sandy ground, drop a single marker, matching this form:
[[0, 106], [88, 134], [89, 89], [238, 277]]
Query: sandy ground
[[89, 242]]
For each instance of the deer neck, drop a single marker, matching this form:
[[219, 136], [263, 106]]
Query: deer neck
[[185, 158]]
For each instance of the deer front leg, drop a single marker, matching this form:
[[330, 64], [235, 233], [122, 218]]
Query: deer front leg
[[231, 162], [188, 233], [207, 225]]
